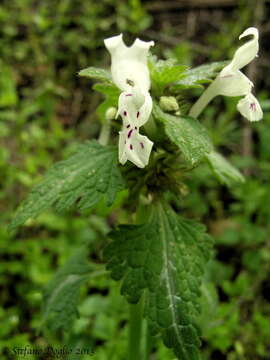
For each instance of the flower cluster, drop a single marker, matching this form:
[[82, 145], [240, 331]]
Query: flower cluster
[[131, 75]]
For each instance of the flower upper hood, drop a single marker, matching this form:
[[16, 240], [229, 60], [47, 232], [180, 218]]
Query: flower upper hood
[[129, 64], [245, 54]]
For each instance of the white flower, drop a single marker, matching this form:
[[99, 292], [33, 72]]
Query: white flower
[[232, 82], [249, 107], [130, 73]]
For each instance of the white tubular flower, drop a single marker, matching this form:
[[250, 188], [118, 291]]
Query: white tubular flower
[[232, 82], [130, 73], [250, 108]]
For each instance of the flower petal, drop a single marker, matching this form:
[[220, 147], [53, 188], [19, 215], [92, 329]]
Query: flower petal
[[115, 43], [136, 148], [122, 148], [145, 111], [245, 54], [134, 107], [129, 64], [250, 108], [232, 84]]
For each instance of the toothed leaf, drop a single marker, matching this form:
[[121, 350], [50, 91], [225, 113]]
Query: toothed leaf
[[81, 180], [111, 93], [187, 133], [165, 258], [164, 72], [199, 75], [62, 293], [96, 73], [225, 172]]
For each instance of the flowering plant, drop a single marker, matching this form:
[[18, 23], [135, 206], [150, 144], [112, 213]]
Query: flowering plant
[[160, 258]]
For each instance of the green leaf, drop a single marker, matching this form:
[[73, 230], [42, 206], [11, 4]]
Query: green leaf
[[111, 93], [164, 72], [225, 172], [199, 75], [108, 89], [62, 293], [96, 73], [187, 133], [83, 179], [166, 259]]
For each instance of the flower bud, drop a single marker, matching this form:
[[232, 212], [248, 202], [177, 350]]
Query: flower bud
[[168, 103], [110, 113]]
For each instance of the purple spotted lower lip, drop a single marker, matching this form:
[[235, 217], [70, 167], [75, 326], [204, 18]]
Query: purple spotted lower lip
[[129, 133], [130, 146], [142, 146], [252, 106], [128, 94]]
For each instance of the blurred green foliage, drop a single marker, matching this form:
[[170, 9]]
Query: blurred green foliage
[[45, 108]]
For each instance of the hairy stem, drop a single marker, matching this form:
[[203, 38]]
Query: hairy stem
[[135, 330], [105, 133], [147, 342], [203, 101]]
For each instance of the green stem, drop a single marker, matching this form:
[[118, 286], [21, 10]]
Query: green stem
[[139, 347], [135, 330], [104, 135], [203, 101], [147, 343]]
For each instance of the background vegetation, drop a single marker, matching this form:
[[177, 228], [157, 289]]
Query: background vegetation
[[45, 108]]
